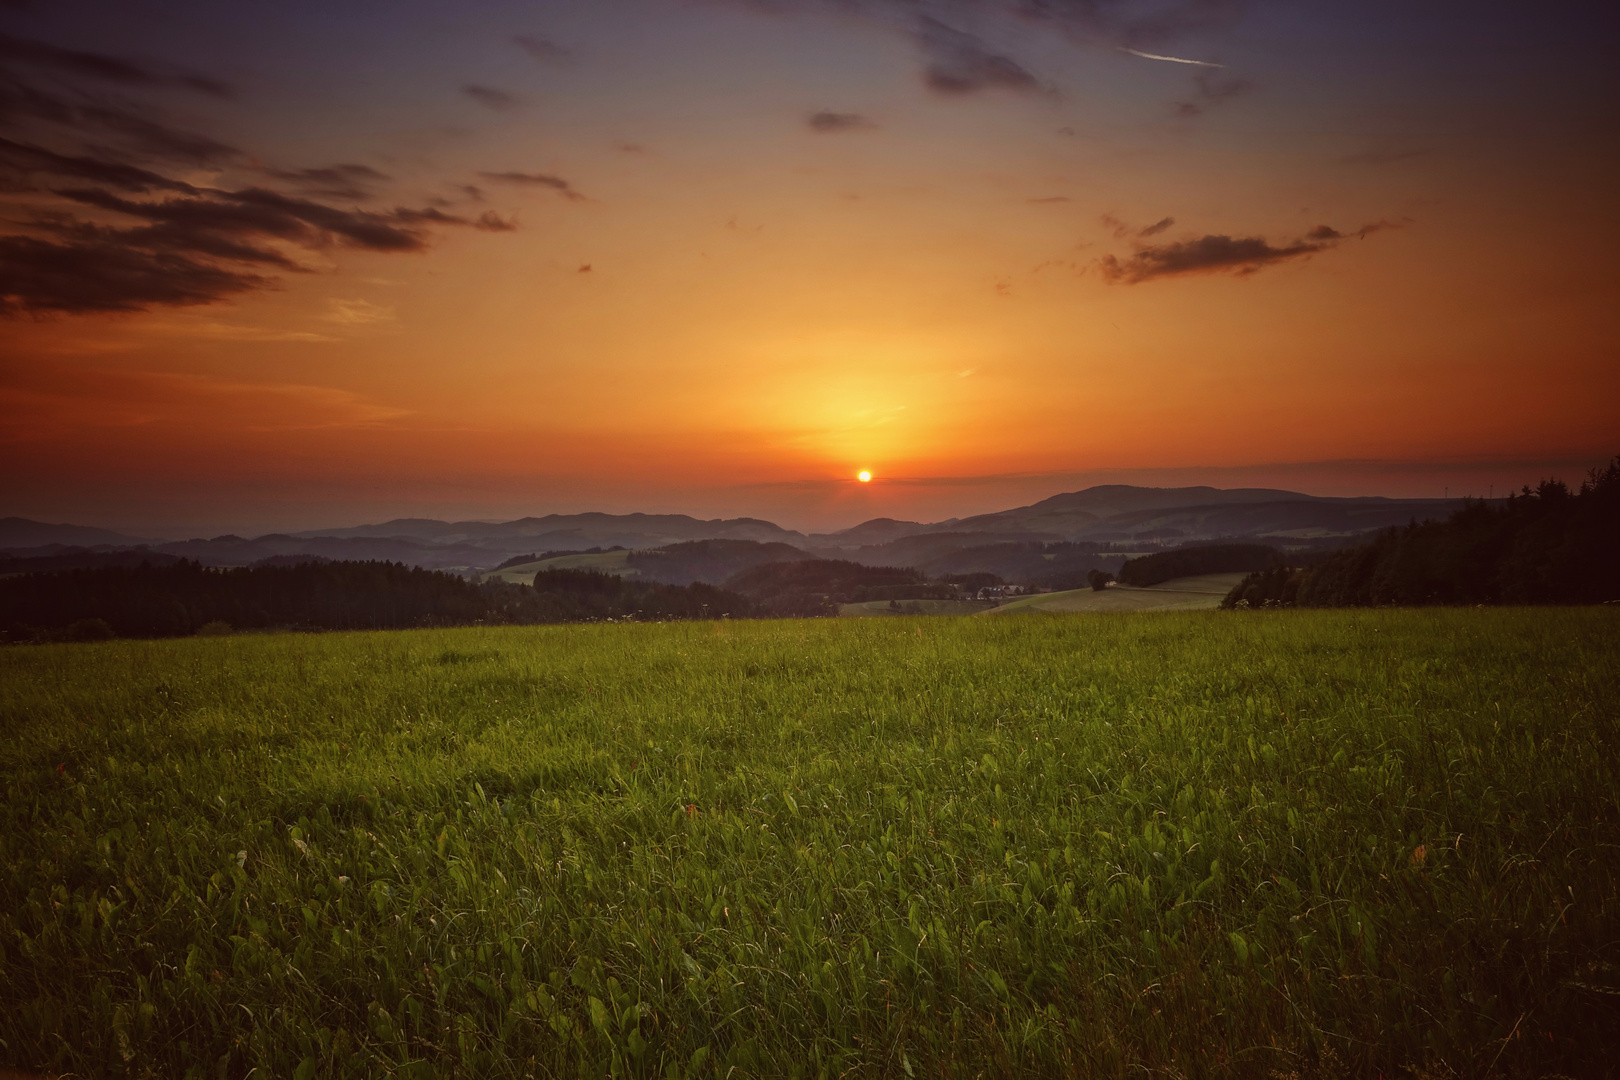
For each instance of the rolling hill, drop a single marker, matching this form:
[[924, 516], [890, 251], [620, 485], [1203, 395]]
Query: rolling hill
[[1116, 512], [1114, 519]]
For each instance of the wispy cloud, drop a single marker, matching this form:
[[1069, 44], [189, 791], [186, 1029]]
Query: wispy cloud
[[490, 97], [210, 330], [830, 122], [1205, 255], [102, 67], [556, 183], [333, 181], [1121, 230], [542, 48], [69, 397], [1239, 256], [1168, 59], [959, 63], [357, 312]]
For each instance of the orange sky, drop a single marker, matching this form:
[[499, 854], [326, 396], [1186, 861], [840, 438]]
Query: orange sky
[[712, 303]]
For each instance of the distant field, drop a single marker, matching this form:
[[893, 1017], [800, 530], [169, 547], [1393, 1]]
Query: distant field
[[607, 562], [916, 607], [1202, 593], [1267, 844]]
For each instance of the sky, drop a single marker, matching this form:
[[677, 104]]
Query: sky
[[275, 266]]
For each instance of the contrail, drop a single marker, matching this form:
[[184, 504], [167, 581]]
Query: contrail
[[1172, 59]]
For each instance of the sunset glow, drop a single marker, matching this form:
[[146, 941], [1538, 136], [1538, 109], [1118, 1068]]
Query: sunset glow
[[333, 264], [864, 477]]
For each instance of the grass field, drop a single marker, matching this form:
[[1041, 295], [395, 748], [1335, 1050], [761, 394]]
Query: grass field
[[1203, 844], [1202, 593], [606, 562]]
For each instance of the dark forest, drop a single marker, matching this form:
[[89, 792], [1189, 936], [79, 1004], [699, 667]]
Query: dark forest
[[1547, 545]]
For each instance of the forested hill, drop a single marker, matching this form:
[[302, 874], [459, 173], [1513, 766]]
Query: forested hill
[[1185, 562], [1551, 545], [185, 597]]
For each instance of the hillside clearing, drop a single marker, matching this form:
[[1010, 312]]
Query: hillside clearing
[[606, 562], [1201, 593]]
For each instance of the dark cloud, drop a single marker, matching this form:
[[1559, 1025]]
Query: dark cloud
[[178, 237], [1187, 110], [149, 137], [488, 221], [261, 212], [333, 181], [498, 100], [20, 102], [1157, 227], [88, 275], [1206, 255], [136, 236], [543, 48], [960, 63], [187, 238], [191, 244], [355, 228], [556, 183], [829, 122], [1220, 254], [21, 164], [105, 68]]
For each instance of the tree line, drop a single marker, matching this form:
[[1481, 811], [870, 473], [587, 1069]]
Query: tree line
[[185, 597], [810, 587], [1186, 562], [1547, 545]]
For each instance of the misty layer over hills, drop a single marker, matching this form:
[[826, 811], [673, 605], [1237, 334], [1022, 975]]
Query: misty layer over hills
[[1099, 521]]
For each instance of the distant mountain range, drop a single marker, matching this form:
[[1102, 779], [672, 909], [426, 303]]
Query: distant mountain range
[[19, 533], [1112, 514], [1116, 512]]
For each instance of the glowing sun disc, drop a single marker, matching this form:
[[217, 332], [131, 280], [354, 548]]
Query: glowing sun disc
[[864, 477]]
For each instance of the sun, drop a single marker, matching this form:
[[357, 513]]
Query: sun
[[864, 476]]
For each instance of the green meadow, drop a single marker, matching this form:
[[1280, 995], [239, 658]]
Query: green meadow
[[1201, 593], [1196, 844]]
